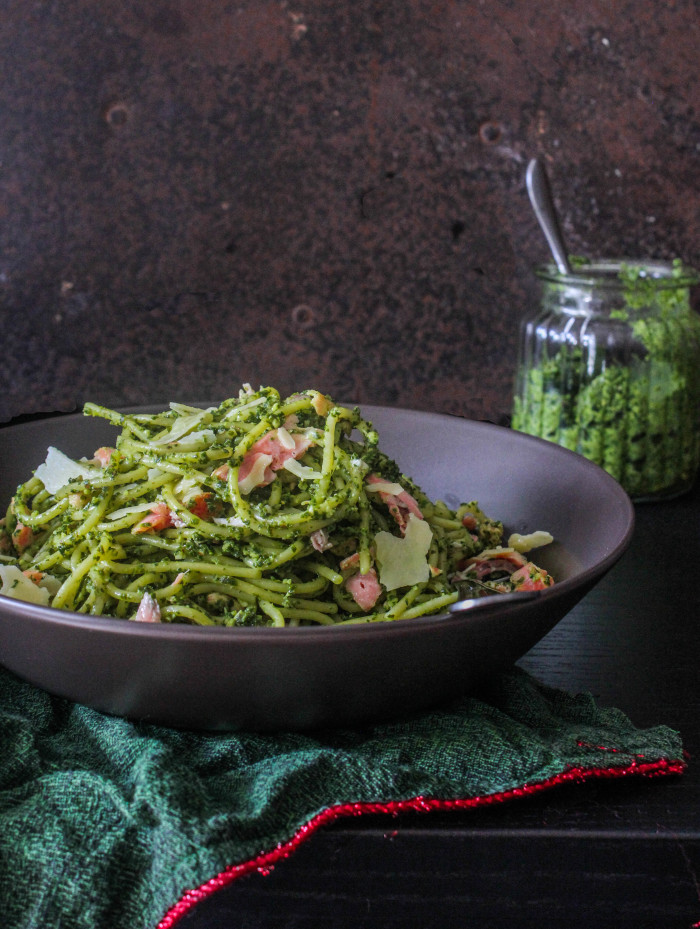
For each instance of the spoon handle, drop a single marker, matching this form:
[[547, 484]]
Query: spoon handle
[[541, 199], [493, 600]]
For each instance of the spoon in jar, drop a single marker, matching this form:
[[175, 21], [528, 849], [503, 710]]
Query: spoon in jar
[[540, 195]]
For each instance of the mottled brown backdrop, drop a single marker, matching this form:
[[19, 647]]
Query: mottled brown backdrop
[[314, 193]]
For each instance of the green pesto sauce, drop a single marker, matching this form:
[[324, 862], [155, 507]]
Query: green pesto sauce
[[638, 417]]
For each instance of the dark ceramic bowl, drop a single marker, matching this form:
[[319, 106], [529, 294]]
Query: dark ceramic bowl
[[267, 679]]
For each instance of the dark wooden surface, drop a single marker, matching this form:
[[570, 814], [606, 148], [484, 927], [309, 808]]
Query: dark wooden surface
[[601, 854]]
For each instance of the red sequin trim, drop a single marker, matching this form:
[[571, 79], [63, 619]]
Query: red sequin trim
[[265, 862]]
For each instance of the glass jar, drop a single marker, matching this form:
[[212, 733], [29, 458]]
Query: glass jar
[[609, 367]]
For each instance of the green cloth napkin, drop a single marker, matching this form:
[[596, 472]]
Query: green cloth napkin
[[108, 823]]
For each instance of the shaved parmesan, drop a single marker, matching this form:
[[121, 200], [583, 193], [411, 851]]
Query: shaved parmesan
[[286, 438], [256, 475], [524, 543], [195, 441], [498, 552], [59, 469], [403, 560], [234, 521], [181, 426], [148, 611], [187, 488], [50, 583], [17, 585], [128, 510], [384, 487], [235, 410], [301, 471]]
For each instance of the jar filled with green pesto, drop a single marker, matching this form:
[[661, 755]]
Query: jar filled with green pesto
[[609, 367]]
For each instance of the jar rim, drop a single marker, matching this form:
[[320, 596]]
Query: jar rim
[[605, 272]]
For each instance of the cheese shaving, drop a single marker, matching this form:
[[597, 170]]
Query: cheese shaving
[[128, 510], [286, 438], [193, 442], [384, 487], [301, 471], [524, 543], [17, 585], [256, 476], [187, 489], [58, 470], [403, 561], [235, 411], [182, 425], [234, 521]]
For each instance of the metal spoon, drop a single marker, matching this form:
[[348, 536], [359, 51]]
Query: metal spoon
[[476, 603], [541, 199]]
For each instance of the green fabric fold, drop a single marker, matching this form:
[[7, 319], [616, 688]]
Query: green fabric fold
[[107, 823]]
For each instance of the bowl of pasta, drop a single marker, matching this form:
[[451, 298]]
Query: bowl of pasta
[[272, 562]]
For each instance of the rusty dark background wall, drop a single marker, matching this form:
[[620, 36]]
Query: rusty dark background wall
[[311, 193]]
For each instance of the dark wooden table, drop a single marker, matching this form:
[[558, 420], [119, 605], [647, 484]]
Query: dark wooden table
[[603, 854]]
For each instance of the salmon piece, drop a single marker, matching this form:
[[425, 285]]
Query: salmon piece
[[400, 505], [364, 589], [320, 540], [488, 562], [352, 561], [148, 611], [104, 455], [159, 518], [321, 403], [530, 577], [34, 576], [22, 536], [204, 507], [278, 449]]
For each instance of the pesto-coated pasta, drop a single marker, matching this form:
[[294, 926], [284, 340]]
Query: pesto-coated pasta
[[262, 511]]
